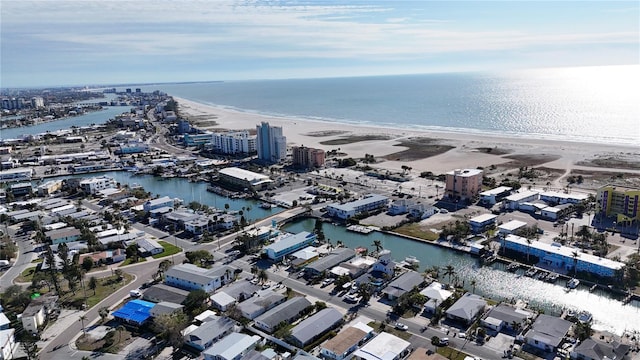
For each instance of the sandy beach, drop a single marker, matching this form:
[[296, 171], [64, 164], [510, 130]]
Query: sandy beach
[[434, 151]]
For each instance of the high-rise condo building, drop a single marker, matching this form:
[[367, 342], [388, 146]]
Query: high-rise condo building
[[270, 143]]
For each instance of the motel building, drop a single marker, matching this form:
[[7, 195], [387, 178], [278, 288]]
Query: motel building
[[562, 257]]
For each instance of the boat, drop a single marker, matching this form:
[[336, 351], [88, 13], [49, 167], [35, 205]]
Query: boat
[[513, 267], [573, 283], [266, 205], [585, 317], [412, 260], [552, 278], [531, 272]]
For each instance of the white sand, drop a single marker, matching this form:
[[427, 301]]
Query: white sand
[[464, 155]]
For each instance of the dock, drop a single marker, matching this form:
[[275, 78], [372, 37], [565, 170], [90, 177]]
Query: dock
[[362, 229]]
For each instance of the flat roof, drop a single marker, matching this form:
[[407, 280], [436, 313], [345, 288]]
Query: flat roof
[[290, 241], [512, 225], [521, 195], [368, 199], [497, 191], [383, 347], [566, 251], [465, 172], [483, 218], [243, 174]]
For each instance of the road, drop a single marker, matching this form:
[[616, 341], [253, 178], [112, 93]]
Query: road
[[23, 259]]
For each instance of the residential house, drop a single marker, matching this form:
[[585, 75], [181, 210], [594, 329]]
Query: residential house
[[327, 262], [34, 315], [384, 347], [209, 332], [149, 247], [591, 349], [547, 332], [63, 235], [191, 277], [221, 300], [385, 264], [233, 347], [285, 312], [346, 342], [466, 309], [7, 344], [165, 307], [435, 293], [158, 203], [135, 312], [5, 323], [259, 304], [96, 184], [402, 285], [504, 316], [482, 222], [160, 292], [511, 227], [492, 196], [315, 326]]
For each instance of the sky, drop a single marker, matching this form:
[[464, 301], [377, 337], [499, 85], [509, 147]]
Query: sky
[[59, 42]]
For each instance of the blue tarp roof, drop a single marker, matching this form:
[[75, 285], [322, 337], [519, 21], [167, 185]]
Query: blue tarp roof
[[137, 311]]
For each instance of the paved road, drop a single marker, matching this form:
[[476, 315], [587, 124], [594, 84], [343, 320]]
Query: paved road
[[23, 259]]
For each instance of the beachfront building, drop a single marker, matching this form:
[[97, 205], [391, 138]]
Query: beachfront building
[[463, 184], [95, 184], [493, 196], [191, 277], [513, 201], [482, 222], [288, 245], [620, 202], [233, 142], [554, 198], [370, 202], [197, 139], [563, 257], [307, 158], [244, 179], [270, 143], [49, 187]]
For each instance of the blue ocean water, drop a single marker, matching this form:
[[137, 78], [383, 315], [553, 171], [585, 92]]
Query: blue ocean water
[[592, 104]]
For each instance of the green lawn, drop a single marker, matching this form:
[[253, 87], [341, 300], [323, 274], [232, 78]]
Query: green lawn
[[169, 249], [129, 261], [388, 328], [451, 353], [106, 287], [414, 230], [27, 275]]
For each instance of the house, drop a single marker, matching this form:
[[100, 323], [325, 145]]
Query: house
[[158, 203], [161, 292], [7, 344], [288, 245], [96, 184], [511, 227], [354, 267], [35, 313], [482, 222], [421, 210], [591, 349], [513, 201], [21, 189], [347, 210], [492, 196], [240, 290], [504, 316], [346, 342], [327, 262], [463, 184], [384, 347], [191, 277], [259, 304], [165, 307], [315, 326], [149, 247], [402, 285], [288, 311], [221, 300], [547, 332], [554, 198], [135, 312], [209, 332], [63, 235], [232, 347], [385, 264], [399, 206], [435, 294], [466, 309]]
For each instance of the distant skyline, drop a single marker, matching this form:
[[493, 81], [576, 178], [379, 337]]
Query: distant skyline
[[57, 43]]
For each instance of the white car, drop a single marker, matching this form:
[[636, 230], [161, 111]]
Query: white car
[[401, 326], [327, 282]]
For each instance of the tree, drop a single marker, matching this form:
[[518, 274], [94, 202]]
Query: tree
[[198, 257], [132, 253], [378, 245], [119, 274], [575, 256], [195, 302], [263, 276], [169, 326], [449, 271], [104, 313], [473, 286], [93, 284], [365, 291], [51, 260], [87, 264], [30, 347]]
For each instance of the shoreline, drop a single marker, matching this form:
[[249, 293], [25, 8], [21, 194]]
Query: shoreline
[[469, 149]]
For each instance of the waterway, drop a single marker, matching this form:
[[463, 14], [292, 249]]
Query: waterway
[[92, 118], [492, 281]]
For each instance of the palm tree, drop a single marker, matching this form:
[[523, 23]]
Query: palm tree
[[263, 276], [473, 286], [378, 245], [575, 256], [449, 270], [528, 248], [515, 325]]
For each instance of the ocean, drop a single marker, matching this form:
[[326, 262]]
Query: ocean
[[590, 104]]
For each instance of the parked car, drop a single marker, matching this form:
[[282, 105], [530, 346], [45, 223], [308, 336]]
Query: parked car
[[401, 326], [444, 342], [327, 282], [135, 293]]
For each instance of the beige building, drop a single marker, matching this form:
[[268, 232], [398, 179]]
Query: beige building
[[463, 184]]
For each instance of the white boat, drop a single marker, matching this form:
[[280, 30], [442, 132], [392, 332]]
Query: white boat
[[573, 283], [266, 205], [412, 260], [585, 317]]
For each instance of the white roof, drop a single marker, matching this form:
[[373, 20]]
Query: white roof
[[482, 218], [307, 253], [496, 191], [362, 326], [465, 172], [383, 347], [519, 196], [559, 195], [231, 346], [552, 209], [566, 251], [436, 292], [222, 299], [250, 176], [205, 314], [512, 225]]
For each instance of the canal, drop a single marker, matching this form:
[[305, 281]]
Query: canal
[[492, 281]]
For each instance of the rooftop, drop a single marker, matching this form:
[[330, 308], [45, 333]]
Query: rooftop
[[383, 347], [497, 191], [340, 343], [316, 324], [290, 241], [549, 330]]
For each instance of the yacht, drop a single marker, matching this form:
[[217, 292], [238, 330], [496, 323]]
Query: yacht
[[573, 283]]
